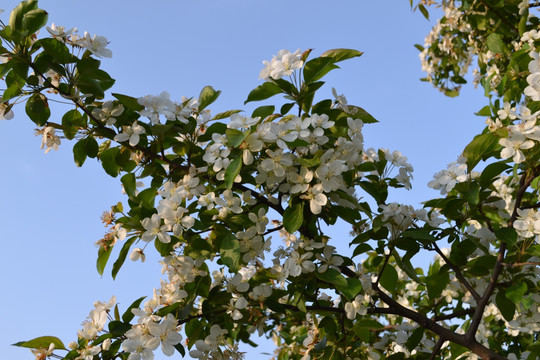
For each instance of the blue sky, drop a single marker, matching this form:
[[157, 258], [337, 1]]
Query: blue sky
[[50, 209]]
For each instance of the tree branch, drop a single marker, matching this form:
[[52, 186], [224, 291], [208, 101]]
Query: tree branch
[[444, 333], [524, 183], [436, 349], [534, 263], [453, 315]]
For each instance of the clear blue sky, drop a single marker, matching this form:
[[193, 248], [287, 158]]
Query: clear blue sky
[[50, 209]]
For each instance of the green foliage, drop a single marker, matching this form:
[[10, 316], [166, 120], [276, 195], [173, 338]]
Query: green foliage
[[213, 188]]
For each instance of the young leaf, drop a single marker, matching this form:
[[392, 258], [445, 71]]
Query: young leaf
[[103, 257], [225, 114], [232, 171], [263, 111], [317, 68], [235, 137], [207, 96], [42, 342], [495, 43], [79, 152], [341, 54], [72, 121], [293, 217], [230, 253], [505, 305], [128, 101], [108, 161], [17, 15], [262, 92], [34, 20], [389, 278], [130, 183], [37, 109], [57, 50], [478, 149], [128, 315], [516, 291], [334, 277]]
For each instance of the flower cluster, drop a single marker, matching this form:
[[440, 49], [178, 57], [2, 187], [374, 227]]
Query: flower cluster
[[282, 64]]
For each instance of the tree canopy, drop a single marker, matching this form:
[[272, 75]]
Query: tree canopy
[[238, 205]]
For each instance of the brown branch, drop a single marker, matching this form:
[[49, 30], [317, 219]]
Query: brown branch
[[524, 183], [428, 324], [453, 315], [436, 349], [535, 206]]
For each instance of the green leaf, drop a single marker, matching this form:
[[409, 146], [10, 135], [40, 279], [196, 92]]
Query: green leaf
[[147, 198], [485, 111], [232, 171], [91, 147], [17, 15], [37, 109], [262, 92], [130, 184], [436, 283], [286, 108], [389, 278], [263, 111], [506, 307], [128, 315], [359, 113], [42, 342], [72, 121], [333, 277], [215, 128], [57, 50], [309, 162], [495, 43], [293, 217], [225, 114], [317, 68], [534, 250], [103, 257], [479, 148], [415, 338], [507, 235], [88, 66], [108, 161], [79, 152], [329, 325], [128, 101], [353, 287], [235, 137], [516, 291], [472, 195], [118, 328], [207, 96], [230, 253], [423, 10], [90, 86], [341, 54], [491, 172]]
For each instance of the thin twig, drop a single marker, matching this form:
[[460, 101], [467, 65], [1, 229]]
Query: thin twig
[[436, 349], [458, 273], [521, 264]]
